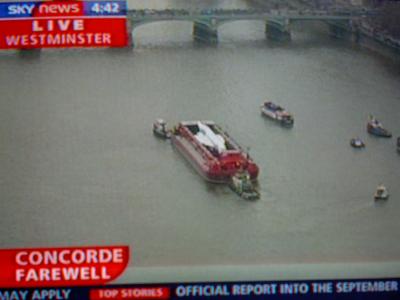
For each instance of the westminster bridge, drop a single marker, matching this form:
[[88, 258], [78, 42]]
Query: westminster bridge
[[277, 22]]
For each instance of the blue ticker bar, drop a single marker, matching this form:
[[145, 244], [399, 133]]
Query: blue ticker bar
[[17, 9], [89, 8], [105, 8]]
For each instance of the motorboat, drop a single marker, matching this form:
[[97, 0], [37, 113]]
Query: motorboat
[[357, 143], [381, 193], [211, 151], [160, 129], [376, 128], [278, 113]]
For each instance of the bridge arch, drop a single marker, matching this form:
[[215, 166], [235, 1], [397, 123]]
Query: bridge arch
[[260, 25], [140, 23], [336, 28], [203, 30], [227, 21]]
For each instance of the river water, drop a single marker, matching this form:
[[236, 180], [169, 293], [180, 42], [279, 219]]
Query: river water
[[79, 164]]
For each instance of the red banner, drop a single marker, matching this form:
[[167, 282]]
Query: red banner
[[136, 293], [57, 33], [62, 266], [58, 8], [55, 24]]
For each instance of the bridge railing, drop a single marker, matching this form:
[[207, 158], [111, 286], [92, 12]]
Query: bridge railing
[[252, 12]]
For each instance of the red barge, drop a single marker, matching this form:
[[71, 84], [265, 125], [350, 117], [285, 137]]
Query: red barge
[[211, 151]]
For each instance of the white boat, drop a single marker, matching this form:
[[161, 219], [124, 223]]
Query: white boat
[[278, 113], [160, 130], [381, 193], [376, 128], [357, 143]]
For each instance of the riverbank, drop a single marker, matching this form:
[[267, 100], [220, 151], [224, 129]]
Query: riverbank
[[377, 40], [368, 37], [363, 33]]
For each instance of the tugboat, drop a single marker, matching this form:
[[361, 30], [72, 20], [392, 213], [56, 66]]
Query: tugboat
[[277, 113], [375, 127], [381, 193], [211, 151], [357, 143], [160, 130], [241, 184]]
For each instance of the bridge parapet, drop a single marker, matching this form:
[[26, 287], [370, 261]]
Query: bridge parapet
[[250, 13]]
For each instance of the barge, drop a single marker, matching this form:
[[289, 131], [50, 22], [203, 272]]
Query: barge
[[211, 151]]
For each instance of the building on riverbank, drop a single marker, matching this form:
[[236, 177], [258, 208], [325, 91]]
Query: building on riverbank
[[388, 22], [384, 29]]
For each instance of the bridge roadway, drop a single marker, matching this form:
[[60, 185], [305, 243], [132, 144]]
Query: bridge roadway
[[206, 22]]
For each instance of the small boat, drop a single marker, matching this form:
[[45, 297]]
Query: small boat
[[160, 130], [398, 144], [375, 127], [241, 184], [278, 113], [357, 143], [381, 193]]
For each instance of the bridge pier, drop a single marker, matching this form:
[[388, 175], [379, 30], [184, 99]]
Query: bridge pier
[[339, 30], [205, 33], [355, 31], [345, 30], [278, 32], [355, 35]]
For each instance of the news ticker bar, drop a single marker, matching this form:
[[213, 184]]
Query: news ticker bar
[[62, 8], [317, 289]]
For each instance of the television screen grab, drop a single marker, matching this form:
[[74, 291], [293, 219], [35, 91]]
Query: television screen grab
[[199, 149]]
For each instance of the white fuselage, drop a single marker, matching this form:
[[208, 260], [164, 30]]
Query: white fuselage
[[207, 137]]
